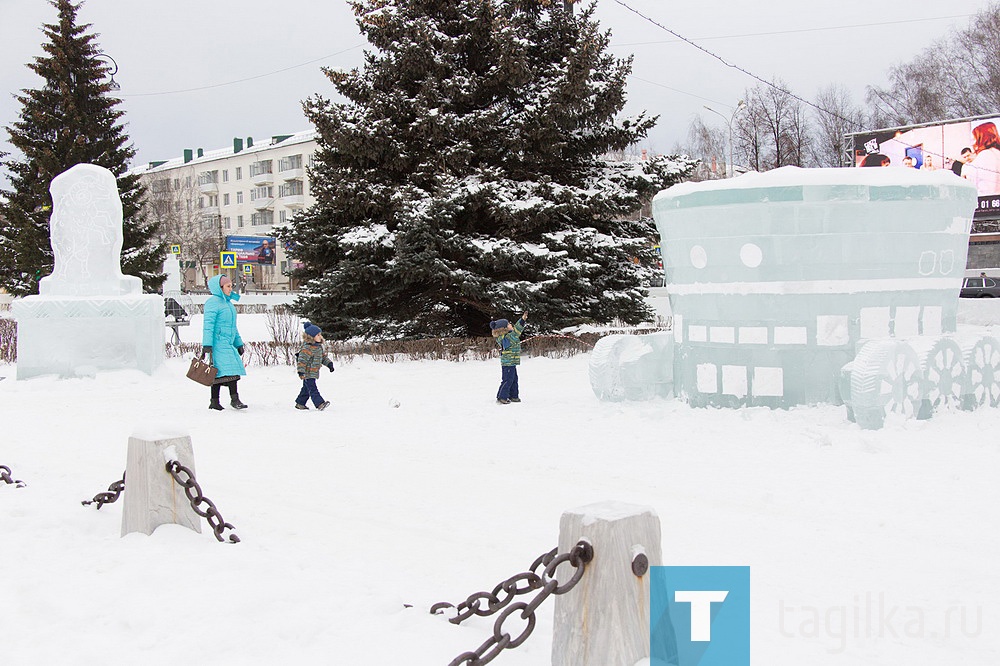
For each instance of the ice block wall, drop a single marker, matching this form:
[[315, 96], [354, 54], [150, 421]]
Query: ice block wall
[[774, 278]]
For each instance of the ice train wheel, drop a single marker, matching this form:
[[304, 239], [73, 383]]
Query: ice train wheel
[[982, 363], [943, 367], [886, 379]]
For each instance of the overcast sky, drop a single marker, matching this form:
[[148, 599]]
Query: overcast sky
[[196, 73]]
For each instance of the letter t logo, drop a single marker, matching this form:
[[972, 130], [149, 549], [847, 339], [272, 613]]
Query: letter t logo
[[701, 610]]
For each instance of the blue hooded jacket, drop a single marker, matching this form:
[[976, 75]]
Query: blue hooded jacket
[[219, 331]]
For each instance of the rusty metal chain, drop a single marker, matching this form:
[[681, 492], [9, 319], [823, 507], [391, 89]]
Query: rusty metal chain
[[185, 477], [544, 583], [112, 494], [5, 476]]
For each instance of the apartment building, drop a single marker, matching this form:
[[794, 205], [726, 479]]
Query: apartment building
[[229, 200]]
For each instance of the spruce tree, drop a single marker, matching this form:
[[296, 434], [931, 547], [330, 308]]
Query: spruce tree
[[69, 120], [466, 178]]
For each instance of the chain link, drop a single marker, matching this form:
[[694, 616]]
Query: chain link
[[185, 477], [112, 494], [544, 583], [5, 476]]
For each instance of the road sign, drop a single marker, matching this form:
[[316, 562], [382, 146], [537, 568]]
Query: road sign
[[248, 269], [227, 259], [175, 249]]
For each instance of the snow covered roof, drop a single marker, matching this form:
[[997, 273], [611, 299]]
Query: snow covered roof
[[210, 155]]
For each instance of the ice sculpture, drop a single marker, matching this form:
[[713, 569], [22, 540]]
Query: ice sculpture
[[88, 316], [801, 286]]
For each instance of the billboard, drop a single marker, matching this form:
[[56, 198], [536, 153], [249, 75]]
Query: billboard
[[252, 249], [970, 148]]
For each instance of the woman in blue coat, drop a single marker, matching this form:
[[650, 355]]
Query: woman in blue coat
[[221, 341]]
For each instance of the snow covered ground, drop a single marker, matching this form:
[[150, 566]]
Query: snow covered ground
[[864, 547]]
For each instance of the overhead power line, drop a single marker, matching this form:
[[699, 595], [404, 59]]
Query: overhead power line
[[800, 30], [249, 78], [737, 67]]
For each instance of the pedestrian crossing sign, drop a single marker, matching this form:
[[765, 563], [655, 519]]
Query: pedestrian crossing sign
[[248, 269], [227, 259], [175, 249]]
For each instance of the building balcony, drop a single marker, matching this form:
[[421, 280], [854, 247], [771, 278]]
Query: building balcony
[[210, 211], [263, 178], [293, 201], [293, 174], [208, 187], [263, 203]]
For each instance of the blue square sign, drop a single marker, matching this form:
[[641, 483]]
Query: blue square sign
[[699, 616]]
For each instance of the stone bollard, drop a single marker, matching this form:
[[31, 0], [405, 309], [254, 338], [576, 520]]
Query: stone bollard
[[604, 620], [152, 497]]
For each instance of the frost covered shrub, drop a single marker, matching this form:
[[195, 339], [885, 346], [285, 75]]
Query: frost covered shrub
[[8, 340], [430, 349]]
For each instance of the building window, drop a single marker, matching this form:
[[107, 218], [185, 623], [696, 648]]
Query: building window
[[263, 218], [177, 183], [262, 192], [227, 223], [239, 220], [290, 189], [187, 181], [283, 216], [257, 168], [289, 163], [239, 197], [225, 175], [225, 199], [239, 173]]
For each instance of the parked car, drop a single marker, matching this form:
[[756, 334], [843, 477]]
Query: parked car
[[980, 287]]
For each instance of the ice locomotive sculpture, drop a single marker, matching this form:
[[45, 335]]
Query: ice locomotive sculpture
[[802, 286], [88, 316]]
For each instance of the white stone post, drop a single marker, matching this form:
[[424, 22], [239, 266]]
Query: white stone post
[[604, 620], [152, 497]]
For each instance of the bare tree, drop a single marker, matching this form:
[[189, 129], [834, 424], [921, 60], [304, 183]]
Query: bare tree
[[173, 201], [774, 130], [840, 115], [957, 76], [750, 140], [710, 147]]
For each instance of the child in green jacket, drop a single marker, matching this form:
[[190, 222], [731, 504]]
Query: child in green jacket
[[309, 360], [508, 337]]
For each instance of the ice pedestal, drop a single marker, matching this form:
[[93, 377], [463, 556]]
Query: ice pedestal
[[88, 316], [78, 337]]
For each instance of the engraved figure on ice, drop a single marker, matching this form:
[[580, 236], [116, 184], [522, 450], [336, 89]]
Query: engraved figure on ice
[[86, 235]]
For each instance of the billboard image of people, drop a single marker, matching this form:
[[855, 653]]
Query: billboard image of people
[[252, 249], [969, 148]]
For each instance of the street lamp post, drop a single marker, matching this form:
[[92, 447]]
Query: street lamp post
[[114, 84], [729, 124]]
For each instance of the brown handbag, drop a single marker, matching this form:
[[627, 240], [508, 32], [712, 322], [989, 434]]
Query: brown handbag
[[201, 372]]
